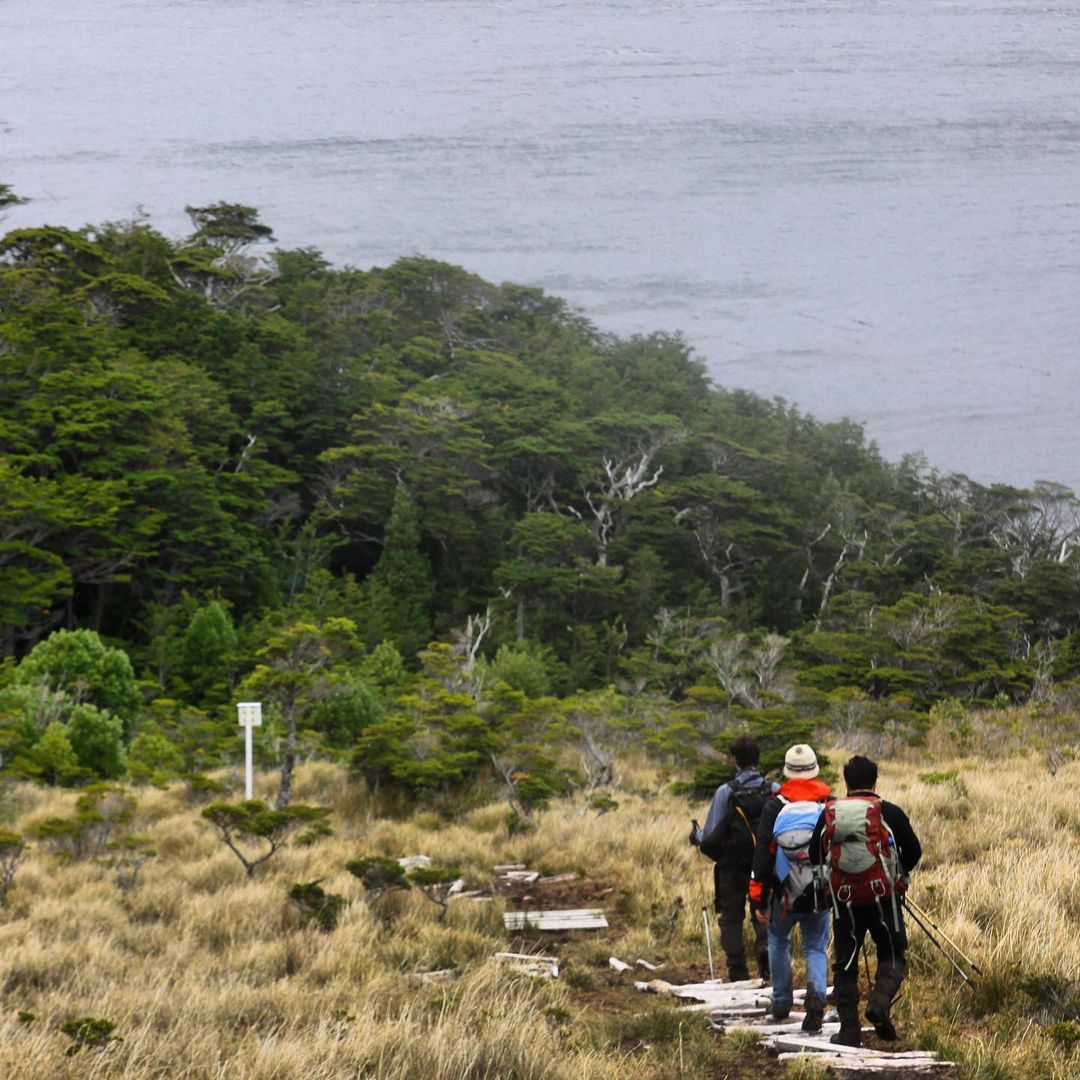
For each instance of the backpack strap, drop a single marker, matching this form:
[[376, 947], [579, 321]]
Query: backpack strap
[[762, 788]]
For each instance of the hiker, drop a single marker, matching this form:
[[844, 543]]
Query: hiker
[[728, 838], [868, 849], [783, 886]]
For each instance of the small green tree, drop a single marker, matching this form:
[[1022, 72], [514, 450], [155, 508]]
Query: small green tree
[[340, 719], [152, 759], [292, 675], [435, 882], [522, 666], [383, 670], [400, 589], [97, 738], [253, 822], [317, 906], [435, 737], [379, 875], [206, 655], [52, 757]]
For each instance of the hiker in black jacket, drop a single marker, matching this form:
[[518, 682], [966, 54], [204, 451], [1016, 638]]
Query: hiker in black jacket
[[728, 838], [861, 907]]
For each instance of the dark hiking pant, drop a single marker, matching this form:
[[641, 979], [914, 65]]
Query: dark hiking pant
[[732, 889], [850, 927]]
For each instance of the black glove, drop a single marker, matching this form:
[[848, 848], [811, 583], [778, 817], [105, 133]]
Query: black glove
[[694, 826]]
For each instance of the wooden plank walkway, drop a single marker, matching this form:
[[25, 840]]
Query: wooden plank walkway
[[744, 1005]]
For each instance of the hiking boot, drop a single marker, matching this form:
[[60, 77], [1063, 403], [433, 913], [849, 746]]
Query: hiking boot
[[847, 1036], [737, 972], [779, 1012], [890, 974], [883, 1025], [815, 1014]]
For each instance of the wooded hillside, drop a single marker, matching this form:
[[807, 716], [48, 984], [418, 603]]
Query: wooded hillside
[[450, 523]]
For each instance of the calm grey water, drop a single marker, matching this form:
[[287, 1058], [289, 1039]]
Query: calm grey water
[[869, 208]]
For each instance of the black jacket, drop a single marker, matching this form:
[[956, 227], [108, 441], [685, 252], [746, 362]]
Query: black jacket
[[908, 847]]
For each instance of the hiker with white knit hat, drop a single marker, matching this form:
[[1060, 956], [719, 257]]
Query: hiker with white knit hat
[[784, 889]]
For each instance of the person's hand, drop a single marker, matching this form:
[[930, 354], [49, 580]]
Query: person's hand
[[902, 885], [761, 915], [694, 826]]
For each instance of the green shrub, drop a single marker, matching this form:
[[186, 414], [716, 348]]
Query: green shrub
[[316, 906], [89, 1033], [97, 738], [152, 759]]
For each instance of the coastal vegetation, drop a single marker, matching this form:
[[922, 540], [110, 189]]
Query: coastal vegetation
[[449, 532], [506, 588]]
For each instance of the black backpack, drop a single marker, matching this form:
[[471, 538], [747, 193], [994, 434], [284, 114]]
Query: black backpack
[[733, 842]]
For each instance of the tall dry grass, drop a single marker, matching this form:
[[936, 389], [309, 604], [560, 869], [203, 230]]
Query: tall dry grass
[[208, 975]]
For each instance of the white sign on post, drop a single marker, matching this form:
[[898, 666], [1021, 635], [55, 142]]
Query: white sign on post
[[249, 714]]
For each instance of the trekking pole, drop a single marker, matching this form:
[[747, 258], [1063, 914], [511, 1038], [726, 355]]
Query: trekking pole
[[940, 949], [708, 940], [705, 916], [945, 937]]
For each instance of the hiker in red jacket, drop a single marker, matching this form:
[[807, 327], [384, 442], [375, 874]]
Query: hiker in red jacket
[[783, 889]]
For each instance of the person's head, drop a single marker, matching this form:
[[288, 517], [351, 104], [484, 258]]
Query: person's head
[[745, 752], [860, 774], [800, 763]]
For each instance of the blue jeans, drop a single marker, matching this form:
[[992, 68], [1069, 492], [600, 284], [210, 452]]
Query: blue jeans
[[815, 941]]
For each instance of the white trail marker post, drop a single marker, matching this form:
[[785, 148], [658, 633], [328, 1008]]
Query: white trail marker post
[[249, 715]]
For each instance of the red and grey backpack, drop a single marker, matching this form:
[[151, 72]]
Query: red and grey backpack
[[860, 853]]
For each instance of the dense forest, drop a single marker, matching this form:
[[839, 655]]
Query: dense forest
[[446, 529]]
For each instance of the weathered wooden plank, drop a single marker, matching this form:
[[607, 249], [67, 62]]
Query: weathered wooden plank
[[718, 1008], [892, 1070], [646, 965], [442, 975], [617, 964], [854, 1067], [557, 879], [819, 1044], [787, 1027], [414, 862], [659, 986], [469, 894], [718, 985], [568, 912], [546, 967], [508, 866], [585, 919], [521, 877]]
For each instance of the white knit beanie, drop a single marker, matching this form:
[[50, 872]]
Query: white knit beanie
[[800, 762]]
